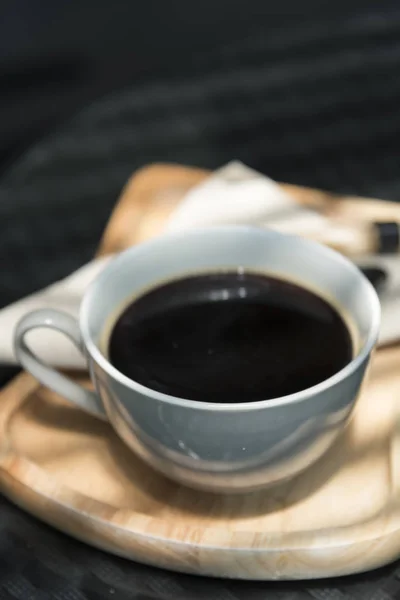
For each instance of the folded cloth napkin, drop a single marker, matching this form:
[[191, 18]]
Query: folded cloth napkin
[[233, 194]]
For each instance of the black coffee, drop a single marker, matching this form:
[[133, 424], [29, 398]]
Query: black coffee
[[229, 337]]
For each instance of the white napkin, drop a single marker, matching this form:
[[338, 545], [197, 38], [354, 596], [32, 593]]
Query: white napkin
[[233, 194]]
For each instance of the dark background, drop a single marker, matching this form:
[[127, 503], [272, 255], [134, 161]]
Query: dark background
[[55, 57], [307, 92]]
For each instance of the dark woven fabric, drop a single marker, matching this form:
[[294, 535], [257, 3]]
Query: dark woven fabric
[[316, 104]]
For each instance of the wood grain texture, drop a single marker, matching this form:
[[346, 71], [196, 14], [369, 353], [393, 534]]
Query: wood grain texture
[[70, 470]]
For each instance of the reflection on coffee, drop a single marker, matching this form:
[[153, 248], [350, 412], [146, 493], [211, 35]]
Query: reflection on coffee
[[229, 337]]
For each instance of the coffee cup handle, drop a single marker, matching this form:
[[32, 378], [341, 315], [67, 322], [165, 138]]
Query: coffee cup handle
[[48, 376]]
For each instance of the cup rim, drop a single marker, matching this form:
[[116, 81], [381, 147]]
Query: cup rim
[[296, 397]]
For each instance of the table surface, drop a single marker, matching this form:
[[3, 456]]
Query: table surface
[[311, 106]]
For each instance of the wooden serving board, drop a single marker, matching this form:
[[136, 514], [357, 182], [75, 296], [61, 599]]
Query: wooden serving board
[[70, 470]]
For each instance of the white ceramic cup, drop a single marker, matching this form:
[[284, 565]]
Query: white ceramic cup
[[219, 447]]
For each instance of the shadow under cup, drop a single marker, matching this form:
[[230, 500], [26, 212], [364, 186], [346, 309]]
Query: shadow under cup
[[241, 446]]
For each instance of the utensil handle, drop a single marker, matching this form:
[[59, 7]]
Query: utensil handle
[[51, 378], [388, 237], [354, 240]]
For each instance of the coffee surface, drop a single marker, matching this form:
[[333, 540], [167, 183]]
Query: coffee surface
[[229, 337]]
